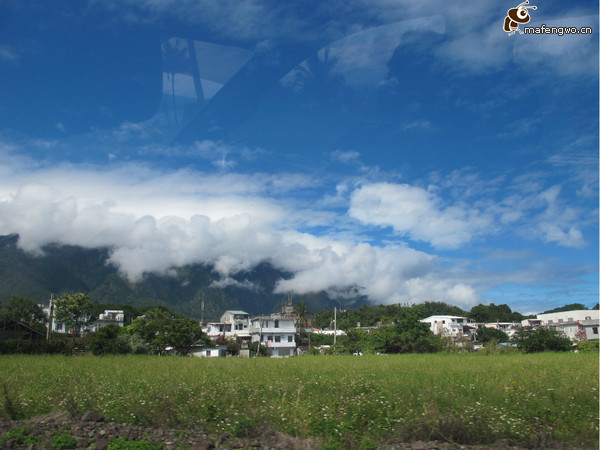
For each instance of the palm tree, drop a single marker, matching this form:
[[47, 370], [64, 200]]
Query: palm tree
[[317, 76], [301, 311]]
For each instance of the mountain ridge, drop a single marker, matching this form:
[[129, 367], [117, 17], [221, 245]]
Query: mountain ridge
[[67, 268]]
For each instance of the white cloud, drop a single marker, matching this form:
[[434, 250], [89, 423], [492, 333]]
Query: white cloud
[[567, 54], [8, 55], [417, 213], [461, 208], [475, 40], [346, 157], [154, 220]]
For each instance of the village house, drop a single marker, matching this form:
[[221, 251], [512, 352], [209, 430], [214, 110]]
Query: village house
[[220, 350], [231, 325], [277, 332], [530, 324], [455, 327], [109, 317], [576, 325]]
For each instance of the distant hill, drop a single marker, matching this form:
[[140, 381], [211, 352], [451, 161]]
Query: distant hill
[[569, 307], [65, 268]]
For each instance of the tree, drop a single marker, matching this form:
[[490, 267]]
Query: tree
[[316, 76], [301, 311], [182, 334], [109, 339], [233, 347], [486, 334], [410, 335], [161, 328], [73, 310], [24, 310], [151, 327], [542, 339], [569, 307], [494, 313], [256, 348]]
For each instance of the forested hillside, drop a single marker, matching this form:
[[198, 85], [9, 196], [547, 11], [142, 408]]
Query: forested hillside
[[63, 269]]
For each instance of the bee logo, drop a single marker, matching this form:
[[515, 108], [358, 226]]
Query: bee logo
[[517, 16]]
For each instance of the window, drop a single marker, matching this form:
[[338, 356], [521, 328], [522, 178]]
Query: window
[[595, 330], [277, 338], [290, 338], [220, 115], [560, 321]]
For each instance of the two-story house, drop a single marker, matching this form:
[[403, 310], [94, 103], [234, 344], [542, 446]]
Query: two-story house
[[277, 332], [232, 325], [109, 317], [454, 327]]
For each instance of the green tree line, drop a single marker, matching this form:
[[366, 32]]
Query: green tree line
[[150, 329]]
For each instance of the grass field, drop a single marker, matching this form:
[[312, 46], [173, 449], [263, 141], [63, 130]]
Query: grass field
[[349, 401]]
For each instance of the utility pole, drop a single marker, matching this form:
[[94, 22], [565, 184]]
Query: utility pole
[[50, 320], [334, 325], [202, 310]]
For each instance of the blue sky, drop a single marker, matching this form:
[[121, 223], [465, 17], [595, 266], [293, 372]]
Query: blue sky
[[408, 151]]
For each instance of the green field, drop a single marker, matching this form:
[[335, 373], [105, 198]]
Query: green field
[[358, 402]]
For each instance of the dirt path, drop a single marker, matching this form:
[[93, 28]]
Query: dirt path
[[92, 432]]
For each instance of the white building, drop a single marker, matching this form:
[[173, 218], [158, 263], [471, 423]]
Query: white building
[[568, 316], [109, 317], [531, 324], [232, 325], [455, 327], [204, 352], [576, 325], [277, 332]]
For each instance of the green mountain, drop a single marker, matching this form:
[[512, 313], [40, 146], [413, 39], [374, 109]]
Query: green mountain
[[64, 268]]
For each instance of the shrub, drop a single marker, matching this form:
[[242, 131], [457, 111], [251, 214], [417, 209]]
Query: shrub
[[14, 346], [542, 339], [63, 441], [486, 334], [588, 346], [19, 436], [108, 340], [123, 444]]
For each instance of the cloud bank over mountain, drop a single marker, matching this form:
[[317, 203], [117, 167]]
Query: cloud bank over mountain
[[154, 219]]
